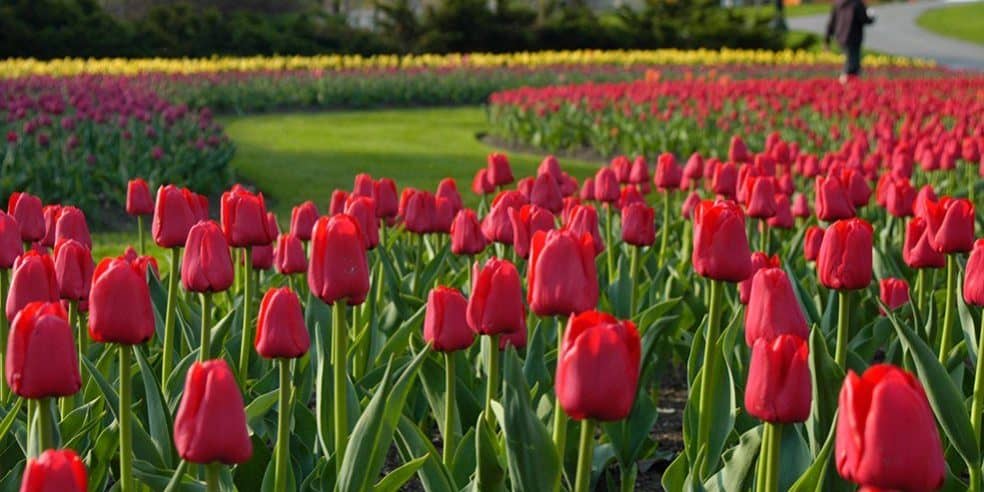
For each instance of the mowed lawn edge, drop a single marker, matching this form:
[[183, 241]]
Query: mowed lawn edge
[[964, 21]]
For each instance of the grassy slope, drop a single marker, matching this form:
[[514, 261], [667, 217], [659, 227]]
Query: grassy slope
[[965, 22], [299, 156]]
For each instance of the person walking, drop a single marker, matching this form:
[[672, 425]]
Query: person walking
[[846, 25]]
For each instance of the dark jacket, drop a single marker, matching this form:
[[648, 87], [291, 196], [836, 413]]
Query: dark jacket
[[847, 21]]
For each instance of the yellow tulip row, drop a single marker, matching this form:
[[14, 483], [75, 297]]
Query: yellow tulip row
[[14, 68]]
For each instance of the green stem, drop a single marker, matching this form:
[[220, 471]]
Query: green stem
[[167, 347], [492, 388], [764, 237], [920, 292], [212, 473], [951, 289], [339, 339], [283, 426], [140, 235], [610, 254], [763, 458], [126, 440], [559, 417], [44, 425], [708, 386], [4, 329], [635, 273], [664, 232], [772, 465], [977, 407], [585, 455], [67, 403], [449, 410], [246, 344], [206, 330], [974, 474], [843, 325], [627, 477]]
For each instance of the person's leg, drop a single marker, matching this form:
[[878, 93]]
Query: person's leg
[[853, 64]]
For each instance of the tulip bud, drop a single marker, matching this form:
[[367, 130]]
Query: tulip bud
[[720, 246], [639, 173], [886, 433], [448, 189], [387, 202], [973, 282], [41, 360], [363, 186], [138, 199], [338, 268], [812, 242], [499, 172], [289, 256], [143, 263], [210, 424], [10, 241], [629, 195], [546, 194], [173, 216], [280, 328], [120, 310], [26, 209], [418, 209], [738, 151], [33, 279], [925, 196], [844, 262], [466, 234], [917, 250], [445, 322], [857, 187], [606, 187], [689, 204], [496, 302], [73, 269], [773, 309], [779, 388], [550, 166], [587, 192], [244, 218], [639, 224], [761, 196], [832, 200], [759, 261], [568, 185], [363, 209], [206, 265], [71, 225], [56, 470], [496, 225], [899, 197], [668, 173], [444, 212], [894, 292], [951, 225], [694, 169], [51, 214], [561, 276], [783, 219], [481, 184], [725, 180], [622, 168], [302, 219], [527, 221], [598, 367], [800, 207], [584, 220]]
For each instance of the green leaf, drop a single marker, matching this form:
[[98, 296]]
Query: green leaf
[[10, 417], [812, 479], [157, 417], [738, 461], [826, 382], [261, 405], [534, 464], [433, 475], [489, 475], [947, 401], [399, 476]]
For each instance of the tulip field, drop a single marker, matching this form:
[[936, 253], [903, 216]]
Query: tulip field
[[771, 282]]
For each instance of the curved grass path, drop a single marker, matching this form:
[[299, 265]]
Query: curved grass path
[[964, 21], [294, 157]]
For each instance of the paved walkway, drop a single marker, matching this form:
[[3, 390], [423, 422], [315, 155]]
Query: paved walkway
[[895, 32]]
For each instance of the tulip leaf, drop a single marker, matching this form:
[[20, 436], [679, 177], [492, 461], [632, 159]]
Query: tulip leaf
[[261, 405], [944, 397], [629, 436], [10, 417], [532, 458], [161, 479], [396, 478], [398, 341], [827, 377], [489, 475], [433, 475], [812, 479], [157, 417], [794, 456], [809, 308], [373, 433], [738, 461], [967, 323]]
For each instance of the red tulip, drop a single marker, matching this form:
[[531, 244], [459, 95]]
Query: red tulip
[[445, 322], [561, 275], [26, 208], [363, 209], [444, 212], [119, 303], [73, 269], [261, 257], [759, 261], [844, 262], [587, 192], [206, 265], [244, 218], [689, 204], [525, 186], [337, 204], [894, 292], [499, 172], [568, 185], [925, 196], [387, 201], [41, 359], [622, 168], [886, 433], [629, 195], [783, 219], [211, 422], [418, 208], [51, 214], [497, 225], [143, 263], [496, 302], [364, 186], [773, 309], [466, 234], [138, 199], [584, 220], [738, 151], [56, 470], [338, 269], [481, 184], [302, 219], [668, 173], [812, 242], [725, 180], [761, 196], [280, 328], [779, 387], [527, 221], [33, 280], [10, 241], [720, 245], [71, 225], [639, 224], [289, 257], [951, 225], [606, 187], [917, 250], [550, 166], [832, 200], [694, 168], [448, 190], [546, 193], [639, 174], [598, 367], [973, 282], [899, 196], [800, 207], [857, 187], [174, 214]]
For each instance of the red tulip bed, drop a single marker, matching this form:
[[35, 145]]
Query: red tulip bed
[[393, 339]]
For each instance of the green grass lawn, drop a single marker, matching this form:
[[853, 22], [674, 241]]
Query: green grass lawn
[[304, 156], [963, 21]]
